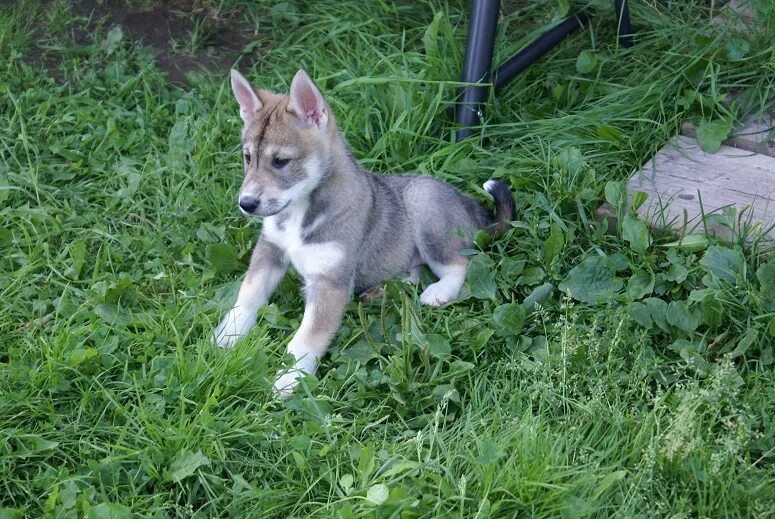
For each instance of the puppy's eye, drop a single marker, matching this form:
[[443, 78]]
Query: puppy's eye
[[279, 163], [247, 158]]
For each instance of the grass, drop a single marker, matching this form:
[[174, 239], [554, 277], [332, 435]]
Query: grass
[[641, 385]]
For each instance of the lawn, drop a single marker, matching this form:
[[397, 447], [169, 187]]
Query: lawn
[[586, 371]]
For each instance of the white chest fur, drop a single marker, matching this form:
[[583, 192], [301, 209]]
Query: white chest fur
[[309, 259]]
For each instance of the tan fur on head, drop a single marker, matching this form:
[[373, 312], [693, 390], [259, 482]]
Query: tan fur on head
[[286, 141]]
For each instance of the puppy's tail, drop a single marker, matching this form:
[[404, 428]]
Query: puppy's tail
[[504, 208]]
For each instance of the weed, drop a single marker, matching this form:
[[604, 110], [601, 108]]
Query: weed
[[582, 373]]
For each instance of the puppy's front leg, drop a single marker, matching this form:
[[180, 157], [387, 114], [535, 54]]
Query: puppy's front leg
[[325, 302], [268, 264]]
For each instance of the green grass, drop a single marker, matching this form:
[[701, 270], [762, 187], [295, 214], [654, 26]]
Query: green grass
[[645, 393]]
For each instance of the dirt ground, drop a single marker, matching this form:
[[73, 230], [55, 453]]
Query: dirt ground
[[184, 35]]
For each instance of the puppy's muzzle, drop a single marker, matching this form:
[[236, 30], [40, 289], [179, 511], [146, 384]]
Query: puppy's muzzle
[[252, 206], [248, 204]]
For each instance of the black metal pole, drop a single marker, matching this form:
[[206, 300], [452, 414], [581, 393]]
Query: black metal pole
[[543, 44], [478, 61], [623, 22]]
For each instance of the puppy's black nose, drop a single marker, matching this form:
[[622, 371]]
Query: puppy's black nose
[[249, 204]]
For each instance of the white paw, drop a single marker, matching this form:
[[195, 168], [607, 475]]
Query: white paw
[[287, 381], [437, 294], [234, 325]]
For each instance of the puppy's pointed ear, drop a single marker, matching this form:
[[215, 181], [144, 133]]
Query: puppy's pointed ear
[[307, 102], [249, 103]]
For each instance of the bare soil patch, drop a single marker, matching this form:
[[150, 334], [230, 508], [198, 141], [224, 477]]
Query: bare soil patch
[[183, 35]]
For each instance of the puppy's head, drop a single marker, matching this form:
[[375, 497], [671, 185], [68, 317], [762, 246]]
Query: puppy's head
[[286, 143]]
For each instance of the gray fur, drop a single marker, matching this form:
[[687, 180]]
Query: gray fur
[[266, 255], [390, 223], [343, 228]]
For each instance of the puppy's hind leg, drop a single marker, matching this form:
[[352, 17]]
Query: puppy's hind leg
[[439, 247], [268, 264], [451, 278]]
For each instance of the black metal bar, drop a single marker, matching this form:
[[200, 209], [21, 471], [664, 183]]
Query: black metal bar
[[623, 22], [543, 44], [478, 61]]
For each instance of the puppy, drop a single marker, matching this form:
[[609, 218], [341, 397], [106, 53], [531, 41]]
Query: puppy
[[343, 229]]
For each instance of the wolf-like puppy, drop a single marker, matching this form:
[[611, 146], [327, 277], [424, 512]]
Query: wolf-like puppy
[[342, 228]]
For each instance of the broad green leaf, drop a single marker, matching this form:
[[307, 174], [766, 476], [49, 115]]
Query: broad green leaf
[[481, 338], [511, 269], [689, 352], [488, 452], [680, 315], [461, 366], [300, 442], [481, 278], [640, 284], [185, 464], [554, 244], [618, 261], [638, 199], [113, 314], [615, 194], [636, 233], [737, 48], [109, 511], [299, 459], [593, 281], [571, 159], [361, 352], [641, 314], [77, 258], [40, 444], [80, 355], [51, 500], [222, 257], [712, 310], [346, 482], [377, 494], [676, 273], [441, 392], [510, 317], [538, 296], [531, 276], [711, 134], [563, 8], [690, 242], [766, 276], [723, 263], [210, 233], [438, 346], [751, 336], [586, 62], [658, 312]]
